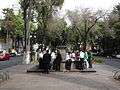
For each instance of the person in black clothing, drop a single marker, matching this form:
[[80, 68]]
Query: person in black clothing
[[46, 62], [57, 61], [90, 57]]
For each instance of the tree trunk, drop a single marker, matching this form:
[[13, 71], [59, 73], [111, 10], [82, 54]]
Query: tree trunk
[[84, 45], [13, 42], [27, 34], [85, 42]]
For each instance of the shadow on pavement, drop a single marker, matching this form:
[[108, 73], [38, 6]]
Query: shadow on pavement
[[80, 81]]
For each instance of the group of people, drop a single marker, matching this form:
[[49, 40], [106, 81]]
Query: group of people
[[79, 60], [51, 60]]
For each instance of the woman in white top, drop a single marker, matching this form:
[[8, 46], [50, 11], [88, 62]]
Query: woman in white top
[[53, 57], [41, 60], [82, 54], [73, 59], [68, 61]]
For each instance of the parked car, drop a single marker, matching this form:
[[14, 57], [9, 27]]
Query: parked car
[[118, 56], [4, 56]]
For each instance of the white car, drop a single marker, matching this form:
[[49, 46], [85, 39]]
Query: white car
[[118, 56]]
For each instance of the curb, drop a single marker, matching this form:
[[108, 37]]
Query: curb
[[4, 76], [35, 69]]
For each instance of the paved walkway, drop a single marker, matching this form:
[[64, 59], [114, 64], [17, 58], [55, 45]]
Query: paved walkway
[[20, 80]]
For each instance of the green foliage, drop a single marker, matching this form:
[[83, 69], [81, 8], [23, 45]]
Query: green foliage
[[13, 24], [114, 21], [8, 12], [98, 60], [84, 25], [116, 9], [57, 2], [19, 24], [8, 22], [57, 27], [44, 15]]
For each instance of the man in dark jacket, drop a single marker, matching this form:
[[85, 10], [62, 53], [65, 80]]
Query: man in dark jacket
[[46, 62], [57, 61]]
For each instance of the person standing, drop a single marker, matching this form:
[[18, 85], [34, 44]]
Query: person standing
[[68, 61], [53, 57], [77, 60], [46, 62], [57, 61], [90, 57], [73, 59], [86, 65], [82, 54]]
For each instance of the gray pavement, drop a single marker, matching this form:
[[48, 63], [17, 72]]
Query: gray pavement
[[20, 80]]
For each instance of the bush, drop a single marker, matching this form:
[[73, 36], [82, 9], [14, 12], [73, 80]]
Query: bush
[[98, 60]]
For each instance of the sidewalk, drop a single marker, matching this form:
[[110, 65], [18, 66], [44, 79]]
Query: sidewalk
[[20, 80]]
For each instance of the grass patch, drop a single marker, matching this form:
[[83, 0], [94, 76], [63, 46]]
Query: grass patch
[[98, 60]]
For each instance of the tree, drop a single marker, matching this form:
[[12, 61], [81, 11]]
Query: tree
[[45, 10], [57, 32], [19, 24], [27, 6], [12, 25], [8, 22], [84, 22], [109, 32], [114, 24]]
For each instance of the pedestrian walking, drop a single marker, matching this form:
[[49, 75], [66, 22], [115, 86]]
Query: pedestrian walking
[[46, 62]]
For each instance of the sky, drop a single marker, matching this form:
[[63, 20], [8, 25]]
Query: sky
[[68, 4], [8, 4], [97, 4]]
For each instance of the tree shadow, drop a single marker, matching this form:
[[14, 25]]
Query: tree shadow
[[80, 81]]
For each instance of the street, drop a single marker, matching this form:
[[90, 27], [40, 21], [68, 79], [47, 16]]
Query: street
[[101, 80], [59, 80], [113, 62], [12, 62]]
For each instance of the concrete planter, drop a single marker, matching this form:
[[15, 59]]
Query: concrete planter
[[116, 74]]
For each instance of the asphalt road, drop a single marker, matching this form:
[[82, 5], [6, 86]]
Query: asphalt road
[[113, 62], [12, 62], [18, 60]]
